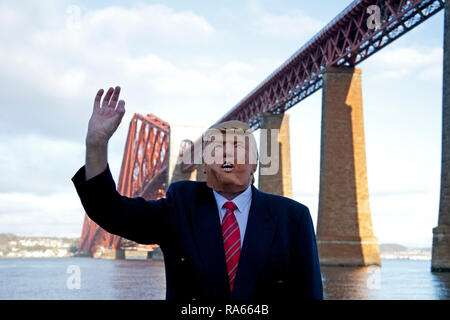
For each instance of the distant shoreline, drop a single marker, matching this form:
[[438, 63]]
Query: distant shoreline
[[393, 251], [13, 246]]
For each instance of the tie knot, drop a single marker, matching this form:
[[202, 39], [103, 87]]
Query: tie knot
[[230, 205]]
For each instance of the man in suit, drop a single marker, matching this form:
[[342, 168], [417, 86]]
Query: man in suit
[[222, 239]]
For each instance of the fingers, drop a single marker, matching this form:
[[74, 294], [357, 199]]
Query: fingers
[[120, 111], [107, 97], [110, 99], [97, 99], [114, 98], [121, 107]]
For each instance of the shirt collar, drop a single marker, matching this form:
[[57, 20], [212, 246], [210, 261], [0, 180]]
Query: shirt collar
[[239, 201]]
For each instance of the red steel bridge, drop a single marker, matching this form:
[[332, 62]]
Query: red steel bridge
[[143, 173], [346, 40]]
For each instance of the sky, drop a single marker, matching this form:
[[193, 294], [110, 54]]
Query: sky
[[189, 62]]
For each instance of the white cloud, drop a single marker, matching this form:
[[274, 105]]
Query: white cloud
[[164, 77], [138, 25], [53, 73], [292, 25], [105, 36], [404, 62], [7, 16], [38, 165], [57, 214], [144, 21]]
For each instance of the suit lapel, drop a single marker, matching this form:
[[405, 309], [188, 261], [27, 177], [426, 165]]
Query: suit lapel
[[208, 234], [257, 241]]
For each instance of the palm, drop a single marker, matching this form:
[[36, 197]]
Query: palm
[[105, 117]]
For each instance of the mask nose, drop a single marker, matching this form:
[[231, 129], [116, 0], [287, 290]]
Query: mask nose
[[228, 152]]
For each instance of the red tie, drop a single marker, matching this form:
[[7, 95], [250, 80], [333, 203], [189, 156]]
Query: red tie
[[231, 241]]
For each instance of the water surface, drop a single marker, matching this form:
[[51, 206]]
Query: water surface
[[47, 278]]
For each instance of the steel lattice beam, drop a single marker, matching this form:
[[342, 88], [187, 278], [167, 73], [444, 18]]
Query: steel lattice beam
[[345, 41]]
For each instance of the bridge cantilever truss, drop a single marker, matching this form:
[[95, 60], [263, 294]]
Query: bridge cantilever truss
[[143, 173]]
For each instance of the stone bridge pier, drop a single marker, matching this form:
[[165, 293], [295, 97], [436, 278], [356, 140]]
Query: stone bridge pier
[[440, 260], [344, 226], [278, 179]]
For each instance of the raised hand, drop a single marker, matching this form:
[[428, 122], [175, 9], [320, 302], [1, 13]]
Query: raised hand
[[105, 118], [103, 123]]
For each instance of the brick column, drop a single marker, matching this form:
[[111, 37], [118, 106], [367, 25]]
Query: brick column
[[344, 226], [279, 183], [441, 234]]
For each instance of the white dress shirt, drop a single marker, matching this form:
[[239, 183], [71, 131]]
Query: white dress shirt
[[242, 202]]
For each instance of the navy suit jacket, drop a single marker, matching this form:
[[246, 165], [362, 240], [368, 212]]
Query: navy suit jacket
[[278, 260]]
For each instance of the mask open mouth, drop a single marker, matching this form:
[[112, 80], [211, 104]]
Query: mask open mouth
[[227, 166]]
